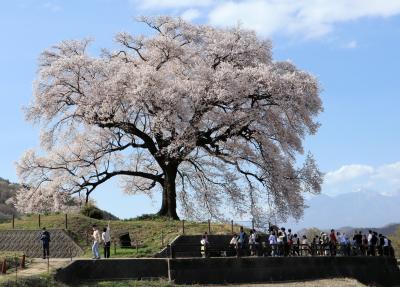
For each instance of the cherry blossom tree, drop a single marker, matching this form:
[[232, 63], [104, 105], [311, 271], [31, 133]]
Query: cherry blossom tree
[[200, 114], [28, 201]]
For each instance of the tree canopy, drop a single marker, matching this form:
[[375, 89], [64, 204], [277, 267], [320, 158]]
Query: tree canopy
[[202, 115]]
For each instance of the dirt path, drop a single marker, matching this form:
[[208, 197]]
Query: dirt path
[[35, 267], [339, 282]]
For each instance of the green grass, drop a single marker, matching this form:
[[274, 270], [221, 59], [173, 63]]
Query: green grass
[[147, 231]]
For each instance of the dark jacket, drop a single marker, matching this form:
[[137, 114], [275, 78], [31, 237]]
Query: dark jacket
[[45, 237]]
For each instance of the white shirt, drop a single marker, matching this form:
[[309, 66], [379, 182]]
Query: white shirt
[[233, 241], [106, 235], [252, 239], [96, 235], [369, 237]]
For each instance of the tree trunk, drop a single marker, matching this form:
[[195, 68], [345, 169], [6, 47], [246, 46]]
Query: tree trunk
[[168, 207]]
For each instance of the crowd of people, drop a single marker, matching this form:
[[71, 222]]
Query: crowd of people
[[279, 242]]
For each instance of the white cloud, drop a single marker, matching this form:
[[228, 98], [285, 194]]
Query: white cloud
[[309, 19], [390, 173], [384, 179], [191, 14], [348, 172]]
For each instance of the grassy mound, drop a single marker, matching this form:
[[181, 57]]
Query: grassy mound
[[150, 233]]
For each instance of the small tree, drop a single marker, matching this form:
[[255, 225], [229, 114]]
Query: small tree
[[201, 114]]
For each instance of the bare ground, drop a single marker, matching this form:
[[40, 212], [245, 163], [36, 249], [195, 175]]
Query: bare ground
[[339, 282], [35, 267]]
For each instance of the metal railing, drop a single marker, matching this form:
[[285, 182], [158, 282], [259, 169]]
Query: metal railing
[[272, 250]]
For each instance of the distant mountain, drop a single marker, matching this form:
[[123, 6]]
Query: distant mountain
[[388, 230], [7, 190], [362, 209]]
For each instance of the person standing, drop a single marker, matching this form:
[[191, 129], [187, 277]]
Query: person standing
[[365, 250], [273, 243], [358, 239], [106, 237], [385, 246], [332, 243], [96, 242], [285, 246], [204, 245], [370, 248], [374, 243], [305, 247], [45, 238], [252, 243], [241, 241]]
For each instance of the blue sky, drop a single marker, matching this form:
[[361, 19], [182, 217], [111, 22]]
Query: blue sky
[[352, 49]]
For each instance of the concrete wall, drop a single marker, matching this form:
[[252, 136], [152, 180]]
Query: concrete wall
[[368, 270], [380, 270], [87, 270]]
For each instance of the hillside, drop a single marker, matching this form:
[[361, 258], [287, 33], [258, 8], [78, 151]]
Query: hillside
[[388, 230], [7, 190], [148, 232]]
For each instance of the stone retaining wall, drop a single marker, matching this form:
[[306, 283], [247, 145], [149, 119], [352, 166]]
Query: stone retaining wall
[[368, 270], [113, 269], [28, 241]]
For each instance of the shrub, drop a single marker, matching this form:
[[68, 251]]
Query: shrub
[[92, 212]]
